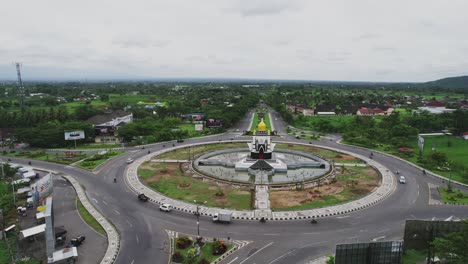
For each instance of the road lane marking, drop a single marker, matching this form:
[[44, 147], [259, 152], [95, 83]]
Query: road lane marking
[[282, 256], [137, 239], [271, 234], [378, 238], [233, 260], [117, 212], [104, 202], [130, 224], [256, 252], [133, 260], [95, 200], [341, 217], [384, 230]]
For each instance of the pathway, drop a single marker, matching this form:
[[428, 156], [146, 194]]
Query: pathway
[[262, 202]]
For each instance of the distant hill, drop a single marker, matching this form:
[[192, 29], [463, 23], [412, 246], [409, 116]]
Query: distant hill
[[452, 82]]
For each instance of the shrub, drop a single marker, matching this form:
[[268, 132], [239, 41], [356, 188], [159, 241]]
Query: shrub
[[177, 257], [219, 193], [203, 261], [183, 242], [219, 247]]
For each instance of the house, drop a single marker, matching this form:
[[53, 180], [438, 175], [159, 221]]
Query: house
[[204, 101], [301, 110], [106, 125], [434, 107], [374, 111]]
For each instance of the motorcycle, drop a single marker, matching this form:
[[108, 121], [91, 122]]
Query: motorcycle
[[115, 180], [262, 220], [313, 221]]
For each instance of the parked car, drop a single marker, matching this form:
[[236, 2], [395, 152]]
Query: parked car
[[130, 160], [165, 207], [402, 179], [180, 140]]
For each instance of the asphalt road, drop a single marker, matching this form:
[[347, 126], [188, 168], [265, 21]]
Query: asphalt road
[[142, 226]]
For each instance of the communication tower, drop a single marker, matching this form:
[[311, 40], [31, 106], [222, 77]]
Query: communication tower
[[20, 84]]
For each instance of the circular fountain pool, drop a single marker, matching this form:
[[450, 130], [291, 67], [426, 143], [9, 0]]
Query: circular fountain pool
[[285, 167]]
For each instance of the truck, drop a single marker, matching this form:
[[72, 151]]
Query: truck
[[222, 217]]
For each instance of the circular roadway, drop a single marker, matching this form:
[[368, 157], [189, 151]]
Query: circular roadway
[[142, 226]]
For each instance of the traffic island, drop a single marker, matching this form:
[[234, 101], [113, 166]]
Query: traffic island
[[187, 248]]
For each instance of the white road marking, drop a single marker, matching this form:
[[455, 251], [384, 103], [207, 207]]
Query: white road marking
[[138, 239], [282, 256], [340, 217], [384, 230], [104, 202], [311, 233], [256, 252], [95, 200], [117, 212], [271, 234], [133, 260], [233, 260], [378, 238]]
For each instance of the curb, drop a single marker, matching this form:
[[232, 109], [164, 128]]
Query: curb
[[113, 238], [382, 192]]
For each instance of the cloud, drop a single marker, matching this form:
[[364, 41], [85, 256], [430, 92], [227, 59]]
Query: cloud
[[263, 7]]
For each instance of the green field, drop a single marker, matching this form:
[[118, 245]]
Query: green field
[[256, 120], [456, 150], [92, 164], [205, 252], [413, 256]]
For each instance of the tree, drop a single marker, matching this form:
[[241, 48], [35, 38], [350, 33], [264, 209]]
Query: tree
[[454, 246]]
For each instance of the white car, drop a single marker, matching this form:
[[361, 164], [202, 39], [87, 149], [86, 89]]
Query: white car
[[129, 160], [165, 207], [402, 179]]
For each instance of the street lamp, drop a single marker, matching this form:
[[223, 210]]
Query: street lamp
[[197, 213]]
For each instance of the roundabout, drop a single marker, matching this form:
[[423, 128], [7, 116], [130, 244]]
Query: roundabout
[[222, 173], [142, 227]]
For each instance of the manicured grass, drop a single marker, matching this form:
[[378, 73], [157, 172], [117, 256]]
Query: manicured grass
[[191, 130], [89, 219], [145, 173], [454, 197], [414, 256], [91, 165], [96, 146], [200, 191]]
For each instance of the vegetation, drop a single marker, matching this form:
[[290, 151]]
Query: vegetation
[[94, 161], [453, 247], [453, 196], [414, 256], [185, 251], [89, 219]]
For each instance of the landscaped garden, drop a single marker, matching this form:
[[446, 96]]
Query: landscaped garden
[[65, 158], [257, 119], [95, 160], [351, 183], [453, 196], [170, 179], [188, 250]]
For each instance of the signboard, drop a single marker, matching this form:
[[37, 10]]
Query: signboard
[[42, 188], [421, 143], [198, 127], [74, 135]]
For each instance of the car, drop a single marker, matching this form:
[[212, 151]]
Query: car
[[130, 160], [298, 137], [142, 197], [402, 179], [180, 140], [165, 207]]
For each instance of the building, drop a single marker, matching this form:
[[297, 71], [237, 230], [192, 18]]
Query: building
[[301, 110], [374, 111], [106, 125], [261, 146]]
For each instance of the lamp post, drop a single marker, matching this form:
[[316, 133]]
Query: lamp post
[[197, 213]]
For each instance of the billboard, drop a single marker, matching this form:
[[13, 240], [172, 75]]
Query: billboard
[[74, 135], [42, 188], [198, 127]]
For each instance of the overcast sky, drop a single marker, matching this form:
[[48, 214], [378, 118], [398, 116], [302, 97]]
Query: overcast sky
[[355, 40]]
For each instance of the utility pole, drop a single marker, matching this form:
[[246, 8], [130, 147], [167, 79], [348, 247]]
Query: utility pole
[[20, 84]]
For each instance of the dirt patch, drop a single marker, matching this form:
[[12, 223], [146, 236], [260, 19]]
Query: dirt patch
[[349, 185], [344, 157]]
